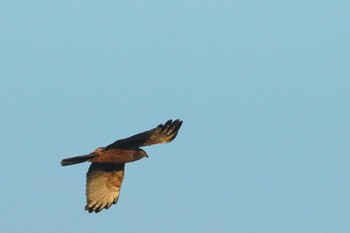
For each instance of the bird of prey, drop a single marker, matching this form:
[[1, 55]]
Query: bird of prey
[[106, 172]]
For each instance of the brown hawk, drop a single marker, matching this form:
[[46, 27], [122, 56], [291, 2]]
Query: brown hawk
[[106, 172]]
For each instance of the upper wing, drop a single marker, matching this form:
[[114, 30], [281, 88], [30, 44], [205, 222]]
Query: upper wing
[[103, 182], [161, 134]]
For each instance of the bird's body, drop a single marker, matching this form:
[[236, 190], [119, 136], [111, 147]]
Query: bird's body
[[101, 155], [119, 156], [106, 173]]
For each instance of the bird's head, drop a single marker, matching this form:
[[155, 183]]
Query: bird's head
[[142, 153], [138, 154]]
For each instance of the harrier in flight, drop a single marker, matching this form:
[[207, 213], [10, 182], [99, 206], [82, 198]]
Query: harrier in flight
[[105, 175]]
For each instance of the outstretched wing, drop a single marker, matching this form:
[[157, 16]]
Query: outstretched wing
[[163, 133], [103, 182]]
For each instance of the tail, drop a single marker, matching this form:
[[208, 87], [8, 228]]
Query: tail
[[77, 159]]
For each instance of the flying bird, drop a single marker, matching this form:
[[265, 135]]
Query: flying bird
[[106, 172]]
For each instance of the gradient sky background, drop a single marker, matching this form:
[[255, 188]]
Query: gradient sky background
[[262, 88]]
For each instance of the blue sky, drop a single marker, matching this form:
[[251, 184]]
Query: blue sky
[[262, 88]]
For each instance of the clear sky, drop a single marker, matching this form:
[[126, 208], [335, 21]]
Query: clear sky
[[262, 88]]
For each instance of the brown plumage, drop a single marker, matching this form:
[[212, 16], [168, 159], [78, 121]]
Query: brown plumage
[[106, 173]]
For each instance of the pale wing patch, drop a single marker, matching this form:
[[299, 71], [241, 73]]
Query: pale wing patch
[[103, 182]]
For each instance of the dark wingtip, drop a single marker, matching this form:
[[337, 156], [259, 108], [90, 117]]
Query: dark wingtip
[[92, 209], [172, 127], [177, 123]]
